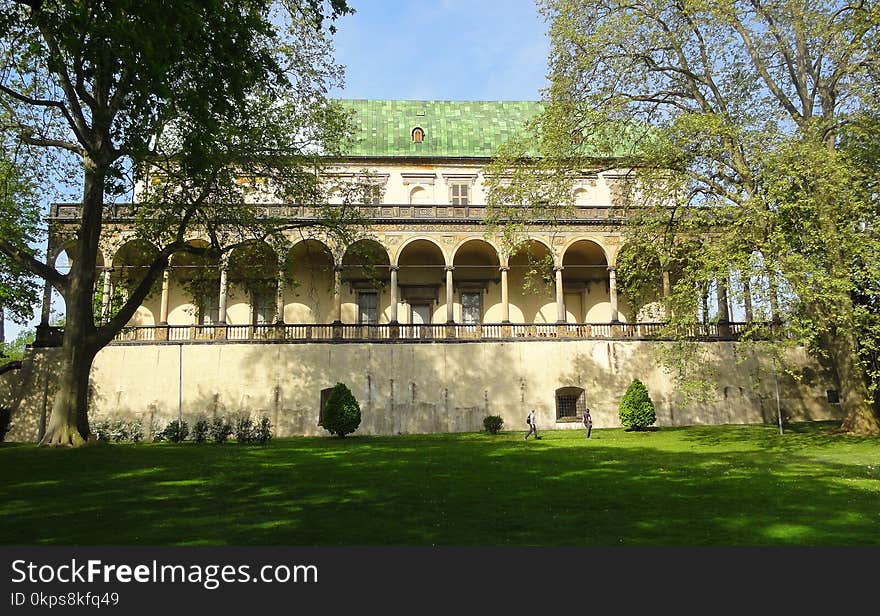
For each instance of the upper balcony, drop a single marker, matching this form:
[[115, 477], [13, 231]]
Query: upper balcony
[[376, 214]]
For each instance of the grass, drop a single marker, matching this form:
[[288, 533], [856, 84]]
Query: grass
[[710, 485]]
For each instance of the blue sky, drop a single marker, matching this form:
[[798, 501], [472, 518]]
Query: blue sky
[[443, 50], [436, 50]]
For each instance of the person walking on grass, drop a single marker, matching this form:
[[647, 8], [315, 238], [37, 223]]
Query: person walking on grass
[[532, 427], [588, 422]]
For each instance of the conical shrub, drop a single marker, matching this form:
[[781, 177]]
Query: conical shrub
[[342, 413], [636, 408]]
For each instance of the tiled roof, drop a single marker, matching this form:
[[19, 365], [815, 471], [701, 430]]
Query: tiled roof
[[451, 128]]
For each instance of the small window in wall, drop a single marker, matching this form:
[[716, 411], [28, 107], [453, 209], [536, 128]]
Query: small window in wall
[[325, 395], [833, 396], [418, 135], [570, 403], [209, 310], [459, 194], [368, 302], [471, 307]]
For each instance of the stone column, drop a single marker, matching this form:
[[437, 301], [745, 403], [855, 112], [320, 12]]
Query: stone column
[[163, 303], [560, 296], [667, 296], [612, 294], [775, 317], [723, 309], [279, 297], [505, 299], [47, 304], [747, 299], [224, 287], [337, 294], [105, 297], [721, 297], [394, 270], [450, 309]]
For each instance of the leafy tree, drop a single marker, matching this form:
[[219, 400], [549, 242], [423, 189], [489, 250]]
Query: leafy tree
[[342, 413], [727, 119], [14, 350], [181, 103], [636, 408], [19, 217]]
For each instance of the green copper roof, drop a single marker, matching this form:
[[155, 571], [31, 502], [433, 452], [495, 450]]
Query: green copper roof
[[451, 128]]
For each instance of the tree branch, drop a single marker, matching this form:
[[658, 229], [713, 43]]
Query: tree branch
[[27, 261]]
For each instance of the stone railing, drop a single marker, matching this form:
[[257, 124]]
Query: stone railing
[[62, 212], [387, 332]]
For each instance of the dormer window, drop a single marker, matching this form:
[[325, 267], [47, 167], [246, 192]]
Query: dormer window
[[418, 135]]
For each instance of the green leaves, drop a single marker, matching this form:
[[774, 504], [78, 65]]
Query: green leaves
[[636, 408]]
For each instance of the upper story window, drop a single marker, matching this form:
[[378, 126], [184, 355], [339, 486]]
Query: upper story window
[[471, 308], [208, 310], [418, 135], [368, 304], [263, 308], [459, 194]]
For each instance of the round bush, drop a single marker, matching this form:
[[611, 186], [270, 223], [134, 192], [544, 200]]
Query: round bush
[[342, 413], [493, 423], [636, 409]]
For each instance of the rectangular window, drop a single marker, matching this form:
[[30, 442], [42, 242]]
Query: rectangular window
[[264, 309], [368, 302], [209, 310], [459, 194], [471, 307]]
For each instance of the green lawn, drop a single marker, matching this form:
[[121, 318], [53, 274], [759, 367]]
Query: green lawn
[[712, 485]]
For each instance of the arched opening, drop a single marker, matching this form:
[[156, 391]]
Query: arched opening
[[252, 284], [130, 265], [571, 403], [476, 279], [63, 262], [420, 278], [194, 286], [586, 283], [418, 135], [419, 196], [531, 283], [308, 283], [365, 275]]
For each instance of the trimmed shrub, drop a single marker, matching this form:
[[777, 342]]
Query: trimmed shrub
[[636, 409], [244, 430], [200, 430], [342, 413], [118, 431], [263, 431], [5, 421], [220, 430], [175, 432], [493, 423]]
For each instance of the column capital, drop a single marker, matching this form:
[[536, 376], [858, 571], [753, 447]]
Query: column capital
[[612, 269], [504, 268], [338, 268], [558, 268], [394, 268], [449, 268]]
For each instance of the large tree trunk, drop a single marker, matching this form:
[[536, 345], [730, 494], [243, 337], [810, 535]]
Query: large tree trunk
[[69, 421], [854, 397], [68, 424]]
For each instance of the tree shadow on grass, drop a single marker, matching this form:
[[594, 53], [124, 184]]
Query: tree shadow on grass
[[470, 489]]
